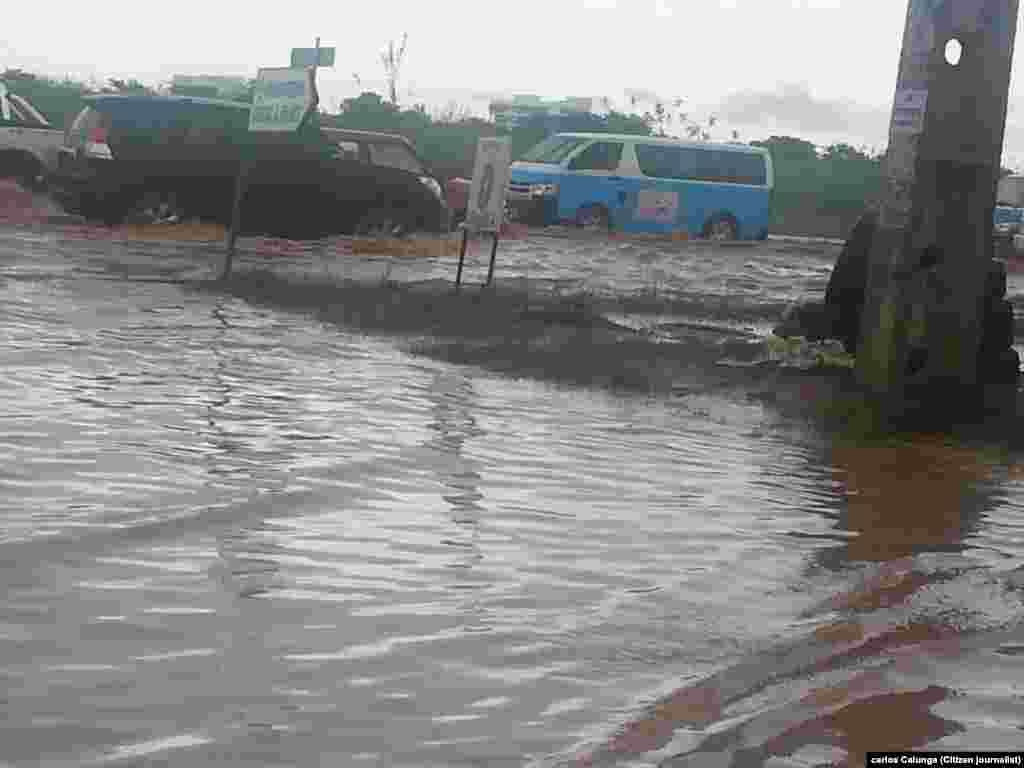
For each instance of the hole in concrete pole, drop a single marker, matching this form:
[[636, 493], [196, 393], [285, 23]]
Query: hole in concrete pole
[[954, 50]]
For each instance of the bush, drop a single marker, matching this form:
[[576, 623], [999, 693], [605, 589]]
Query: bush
[[820, 194]]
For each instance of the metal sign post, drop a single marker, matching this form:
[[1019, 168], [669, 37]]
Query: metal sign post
[[283, 99], [485, 210]]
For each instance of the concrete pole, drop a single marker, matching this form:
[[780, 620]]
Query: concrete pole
[[931, 255]]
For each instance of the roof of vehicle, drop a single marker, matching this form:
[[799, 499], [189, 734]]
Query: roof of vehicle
[[365, 135], [143, 98], [668, 141]]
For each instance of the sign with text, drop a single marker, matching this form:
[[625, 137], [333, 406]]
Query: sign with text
[[281, 99], [485, 210], [312, 57]]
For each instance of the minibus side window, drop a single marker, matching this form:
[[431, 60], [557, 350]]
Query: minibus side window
[[599, 156], [667, 162], [749, 169], [733, 168]]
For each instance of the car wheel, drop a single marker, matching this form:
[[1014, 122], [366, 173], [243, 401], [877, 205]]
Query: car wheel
[[593, 218], [113, 215], [722, 227], [381, 223], [106, 209], [32, 182]]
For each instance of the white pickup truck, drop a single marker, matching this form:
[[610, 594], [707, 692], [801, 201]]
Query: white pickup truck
[[29, 145]]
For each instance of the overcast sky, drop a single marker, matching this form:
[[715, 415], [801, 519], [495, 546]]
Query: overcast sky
[[823, 70]]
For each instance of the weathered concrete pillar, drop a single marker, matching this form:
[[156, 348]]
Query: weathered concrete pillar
[[922, 319]]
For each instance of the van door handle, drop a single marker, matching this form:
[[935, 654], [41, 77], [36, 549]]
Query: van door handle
[[614, 178]]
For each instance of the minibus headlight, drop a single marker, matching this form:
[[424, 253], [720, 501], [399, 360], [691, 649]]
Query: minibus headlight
[[543, 190]]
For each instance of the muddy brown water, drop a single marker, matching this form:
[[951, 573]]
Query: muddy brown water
[[273, 526]]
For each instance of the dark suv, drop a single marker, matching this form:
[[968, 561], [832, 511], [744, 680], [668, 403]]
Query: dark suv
[[125, 154]]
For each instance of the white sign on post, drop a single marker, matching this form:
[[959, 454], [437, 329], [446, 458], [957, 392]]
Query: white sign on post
[[486, 206], [282, 97], [908, 110]]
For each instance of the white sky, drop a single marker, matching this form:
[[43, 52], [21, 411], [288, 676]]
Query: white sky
[[823, 70]]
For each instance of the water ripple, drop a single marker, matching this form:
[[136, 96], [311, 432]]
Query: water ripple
[[233, 529]]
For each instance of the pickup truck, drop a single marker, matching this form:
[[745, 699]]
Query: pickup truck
[[29, 145]]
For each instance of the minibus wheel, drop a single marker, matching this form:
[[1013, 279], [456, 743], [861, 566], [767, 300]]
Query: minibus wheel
[[593, 217], [721, 227]]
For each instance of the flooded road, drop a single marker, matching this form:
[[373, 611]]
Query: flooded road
[[237, 532]]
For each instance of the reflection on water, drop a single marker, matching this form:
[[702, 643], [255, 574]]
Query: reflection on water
[[453, 400], [235, 535], [867, 678], [248, 558], [902, 498]]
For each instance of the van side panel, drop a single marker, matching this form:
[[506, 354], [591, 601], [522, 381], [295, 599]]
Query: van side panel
[[678, 203], [638, 203], [578, 189], [665, 206], [749, 206]]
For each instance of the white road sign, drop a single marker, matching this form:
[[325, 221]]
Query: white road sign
[[486, 206], [282, 97]]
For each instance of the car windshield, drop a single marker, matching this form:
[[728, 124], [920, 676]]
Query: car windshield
[[552, 150]]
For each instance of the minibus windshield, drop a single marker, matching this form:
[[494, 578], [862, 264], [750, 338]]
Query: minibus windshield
[[552, 150]]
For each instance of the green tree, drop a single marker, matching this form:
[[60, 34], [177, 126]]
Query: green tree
[[367, 112], [117, 85], [820, 193], [58, 100], [844, 152], [619, 122]]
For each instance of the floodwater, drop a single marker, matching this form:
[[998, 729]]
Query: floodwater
[[236, 532]]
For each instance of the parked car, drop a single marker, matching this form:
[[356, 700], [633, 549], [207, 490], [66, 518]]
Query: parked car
[[383, 183], [128, 153], [28, 143]]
